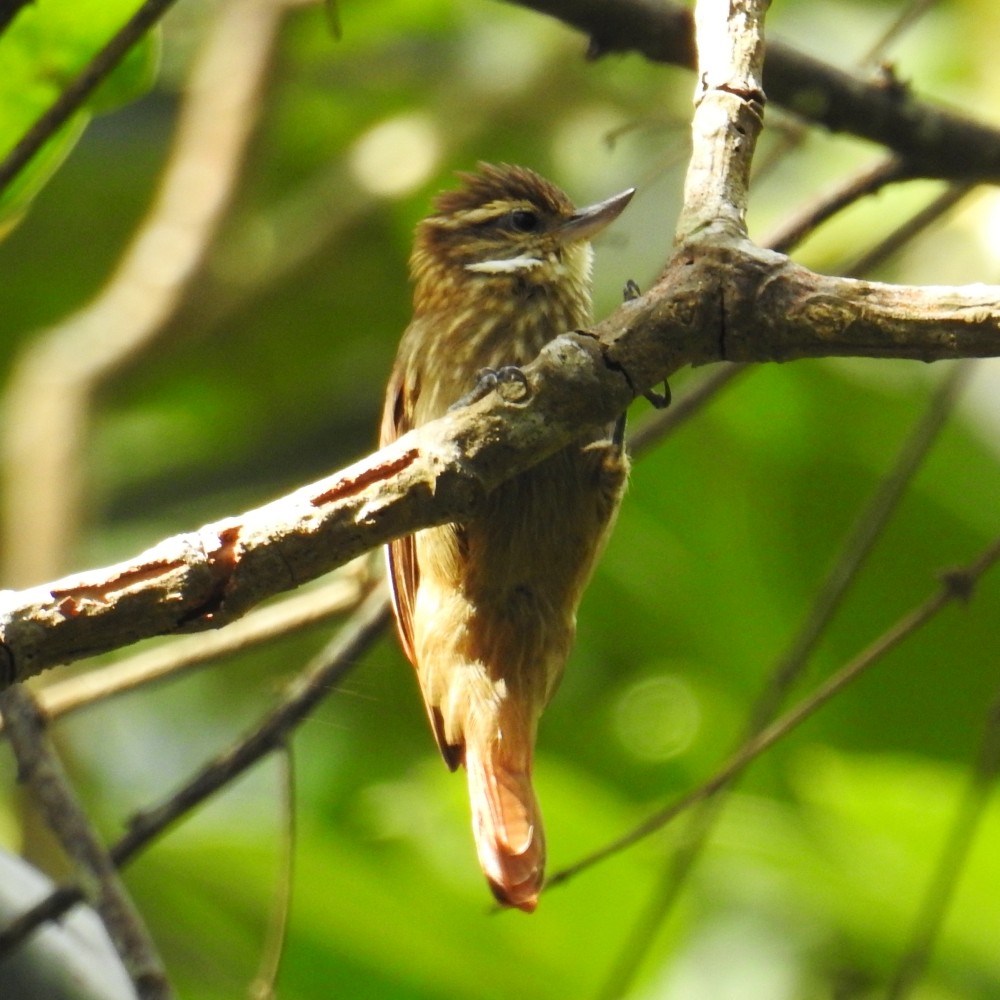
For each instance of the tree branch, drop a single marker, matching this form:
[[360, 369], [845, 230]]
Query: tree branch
[[301, 696], [39, 768], [720, 298], [342, 592], [729, 114], [932, 141], [956, 585], [715, 301]]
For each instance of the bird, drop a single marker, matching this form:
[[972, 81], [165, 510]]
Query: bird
[[486, 609]]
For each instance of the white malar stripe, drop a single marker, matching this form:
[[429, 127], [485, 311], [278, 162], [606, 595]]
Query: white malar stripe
[[507, 266]]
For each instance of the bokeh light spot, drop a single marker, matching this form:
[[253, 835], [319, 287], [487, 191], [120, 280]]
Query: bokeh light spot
[[657, 718], [396, 156]]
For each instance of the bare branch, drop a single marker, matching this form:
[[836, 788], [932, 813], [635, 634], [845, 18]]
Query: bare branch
[[904, 20], [304, 693], [911, 228], [932, 141], [39, 768], [729, 110], [209, 577], [341, 593], [870, 180], [715, 302]]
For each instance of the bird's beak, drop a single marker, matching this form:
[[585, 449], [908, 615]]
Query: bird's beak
[[587, 222]]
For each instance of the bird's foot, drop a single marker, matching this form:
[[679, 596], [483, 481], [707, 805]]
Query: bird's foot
[[509, 381], [618, 433], [659, 400]]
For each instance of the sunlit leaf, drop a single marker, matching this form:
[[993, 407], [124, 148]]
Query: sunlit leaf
[[46, 47]]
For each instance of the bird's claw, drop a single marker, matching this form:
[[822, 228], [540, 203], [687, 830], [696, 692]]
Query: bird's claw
[[631, 291], [618, 432], [509, 381], [659, 400]]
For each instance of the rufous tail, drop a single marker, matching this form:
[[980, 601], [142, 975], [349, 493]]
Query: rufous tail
[[507, 826]]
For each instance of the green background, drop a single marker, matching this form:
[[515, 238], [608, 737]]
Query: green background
[[271, 376]]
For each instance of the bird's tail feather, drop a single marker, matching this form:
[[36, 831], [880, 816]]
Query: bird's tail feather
[[507, 825]]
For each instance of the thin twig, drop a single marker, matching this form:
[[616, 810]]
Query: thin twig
[[323, 673], [857, 546], [303, 694], [903, 21], [899, 237], [862, 537], [954, 853], [40, 769], [870, 180], [75, 95], [263, 985], [957, 585]]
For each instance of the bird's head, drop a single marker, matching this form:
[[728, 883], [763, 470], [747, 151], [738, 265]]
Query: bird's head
[[506, 227]]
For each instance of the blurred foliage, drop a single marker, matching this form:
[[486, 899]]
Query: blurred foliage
[[271, 375], [45, 48]]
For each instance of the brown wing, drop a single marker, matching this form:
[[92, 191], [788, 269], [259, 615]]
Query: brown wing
[[404, 573], [401, 554]]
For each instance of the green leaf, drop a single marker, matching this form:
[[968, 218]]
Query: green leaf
[[46, 47]]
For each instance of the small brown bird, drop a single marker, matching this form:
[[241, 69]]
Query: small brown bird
[[487, 609]]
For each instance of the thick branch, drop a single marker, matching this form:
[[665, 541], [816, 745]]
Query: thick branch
[[786, 312], [726, 301], [933, 141], [729, 108]]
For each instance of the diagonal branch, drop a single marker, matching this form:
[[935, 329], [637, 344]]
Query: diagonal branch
[[301, 696], [720, 298], [40, 769], [956, 585], [933, 141], [774, 311]]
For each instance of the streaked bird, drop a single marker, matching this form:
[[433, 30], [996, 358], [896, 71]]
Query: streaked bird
[[486, 609]]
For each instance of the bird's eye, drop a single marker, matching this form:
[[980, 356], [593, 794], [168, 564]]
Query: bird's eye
[[524, 221]]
